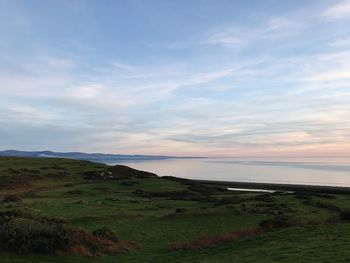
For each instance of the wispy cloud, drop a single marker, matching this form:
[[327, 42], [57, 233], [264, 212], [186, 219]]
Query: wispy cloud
[[272, 29], [326, 67], [88, 91], [27, 114], [339, 10], [231, 38], [123, 66], [341, 42]]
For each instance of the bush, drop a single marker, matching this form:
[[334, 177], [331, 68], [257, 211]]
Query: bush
[[129, 183], [263, 198], [75, 192], [277, 222], [24, 233], [205, 189], [90, 174], [323, 205], [17, 178], [345, 215], [105, 233], [175, 195], [212, 241], [11, 198], [122, 171], [180, 210], [229, 200]]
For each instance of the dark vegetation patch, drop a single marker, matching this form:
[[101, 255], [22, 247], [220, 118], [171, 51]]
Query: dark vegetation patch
[[69, 185], [11, 199], [180, 210], [112, 199], [102, 188], [86, 219], [204, 192], [278, 222], [229, 200], [99, 243], [117, 172], [185, 195], [211, 241], [57, 167], [309, 195], [320, 204], [128, 172], [303, 197], [129, 183], [97, 175], [12, 178], [177, 179], [75, 192], [205, 189], [199, 187], [263, 198], [106, 233], [22, 232], [260, 204], [345, 215], [60, 174]]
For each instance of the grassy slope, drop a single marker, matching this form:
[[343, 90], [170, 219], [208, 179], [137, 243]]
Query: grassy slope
[[155, 223]]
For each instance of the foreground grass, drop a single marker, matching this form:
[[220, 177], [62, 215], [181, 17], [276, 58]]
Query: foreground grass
[[156, 212]]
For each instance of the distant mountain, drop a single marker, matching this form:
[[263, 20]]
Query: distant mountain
[[85, 156]]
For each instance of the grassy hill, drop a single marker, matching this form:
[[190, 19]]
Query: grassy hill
[[89, 212]]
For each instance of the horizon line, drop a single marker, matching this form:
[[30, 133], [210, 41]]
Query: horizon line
[[188, 156]]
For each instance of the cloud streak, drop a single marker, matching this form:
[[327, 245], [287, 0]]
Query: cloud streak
[[273, 29], [339, 10]]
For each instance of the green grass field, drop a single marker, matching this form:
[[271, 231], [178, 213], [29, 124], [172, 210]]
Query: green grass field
[[157, 212]]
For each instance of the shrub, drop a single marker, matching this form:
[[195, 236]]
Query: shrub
[[105, 233], [345, 215], [210, 241], [91, 175], [323, 205], [75, 192], [26, 170], [263, 198], [277, 222], [17, 178], [303, 196], [122, 171], [129, 183], [11, 198], [174, 195], [180, 210], [22, 232], [205, 189], [229, 200]]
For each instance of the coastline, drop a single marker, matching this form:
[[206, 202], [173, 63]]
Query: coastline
[[281, 187]]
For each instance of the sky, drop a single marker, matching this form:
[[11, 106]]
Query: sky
[[185, 78]]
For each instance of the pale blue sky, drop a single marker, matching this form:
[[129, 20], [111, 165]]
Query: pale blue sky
[[186, 77]]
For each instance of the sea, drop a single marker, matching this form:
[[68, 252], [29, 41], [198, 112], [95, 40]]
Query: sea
[[328, 171]]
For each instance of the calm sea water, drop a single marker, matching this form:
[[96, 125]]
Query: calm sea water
[[313, 171]]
